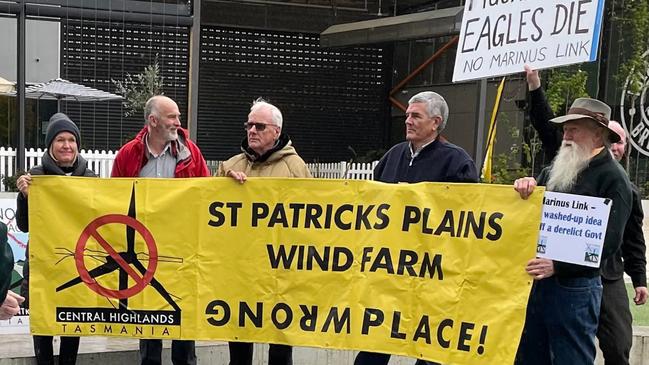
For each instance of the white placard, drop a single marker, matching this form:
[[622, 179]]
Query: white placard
[[573, 228], [498, 37]]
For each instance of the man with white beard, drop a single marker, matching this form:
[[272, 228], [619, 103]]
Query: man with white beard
[[571, 159], [615, 330], [564, 305]]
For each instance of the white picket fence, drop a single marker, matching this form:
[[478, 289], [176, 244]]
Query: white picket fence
[[343, 170], [101, 162]]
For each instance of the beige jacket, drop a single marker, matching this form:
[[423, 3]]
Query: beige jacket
[[282, 163]]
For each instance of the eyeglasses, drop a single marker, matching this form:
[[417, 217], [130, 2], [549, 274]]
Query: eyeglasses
[[260, 127]]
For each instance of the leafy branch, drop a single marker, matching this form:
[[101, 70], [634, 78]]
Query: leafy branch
[[634, 30], [137, 89], [507, 167], [566, 84]]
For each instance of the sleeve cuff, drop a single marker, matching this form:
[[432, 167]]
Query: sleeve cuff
[[639, 280]]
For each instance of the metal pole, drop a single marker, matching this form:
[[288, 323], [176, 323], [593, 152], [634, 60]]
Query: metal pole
[[64, 11], [194, 62], [480, 122], [20, 89]]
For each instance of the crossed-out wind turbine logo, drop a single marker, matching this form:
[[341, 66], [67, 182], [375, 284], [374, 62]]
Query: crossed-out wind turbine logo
[[128, 264], [634, 110]]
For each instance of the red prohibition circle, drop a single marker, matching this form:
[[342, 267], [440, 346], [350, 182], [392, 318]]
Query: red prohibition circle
[[91, 230]]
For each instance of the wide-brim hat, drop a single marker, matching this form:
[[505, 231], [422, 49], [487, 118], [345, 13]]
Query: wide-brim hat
[[593, 109]]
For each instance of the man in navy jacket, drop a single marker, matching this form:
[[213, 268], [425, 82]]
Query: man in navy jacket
[[422, 157]]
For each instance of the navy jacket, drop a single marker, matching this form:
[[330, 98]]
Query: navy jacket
[[437, 162]]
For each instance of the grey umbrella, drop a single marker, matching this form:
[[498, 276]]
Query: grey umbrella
[[60, 89]]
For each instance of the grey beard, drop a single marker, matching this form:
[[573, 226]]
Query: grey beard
[[570, 161]]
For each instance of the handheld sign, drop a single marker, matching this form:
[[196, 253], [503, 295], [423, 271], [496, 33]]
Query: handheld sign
[[498, 37], [573, 228]]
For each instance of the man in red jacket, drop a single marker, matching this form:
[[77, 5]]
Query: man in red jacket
[[162, 149]]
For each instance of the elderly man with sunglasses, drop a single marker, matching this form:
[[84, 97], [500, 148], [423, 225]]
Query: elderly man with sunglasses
[[265, 152]]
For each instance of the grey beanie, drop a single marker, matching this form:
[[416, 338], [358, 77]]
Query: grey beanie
[[60, 122]]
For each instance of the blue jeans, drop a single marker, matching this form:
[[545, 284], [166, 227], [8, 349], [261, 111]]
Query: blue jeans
[[561, 322]]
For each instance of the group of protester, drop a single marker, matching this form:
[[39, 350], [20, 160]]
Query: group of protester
[[568, 305], [162, 149]]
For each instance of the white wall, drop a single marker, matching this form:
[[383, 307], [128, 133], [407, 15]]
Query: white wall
[[42, 49]]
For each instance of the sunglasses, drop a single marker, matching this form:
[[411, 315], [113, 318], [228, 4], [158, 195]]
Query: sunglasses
[[260, 127]]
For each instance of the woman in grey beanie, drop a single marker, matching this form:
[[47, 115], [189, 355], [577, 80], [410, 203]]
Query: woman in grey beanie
[[60, 122], [61, 158]]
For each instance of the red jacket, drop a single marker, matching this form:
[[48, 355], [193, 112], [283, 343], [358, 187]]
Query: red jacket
[[131, 157]]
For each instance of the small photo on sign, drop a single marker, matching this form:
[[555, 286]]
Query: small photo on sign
[[592, 253], [543, 242]]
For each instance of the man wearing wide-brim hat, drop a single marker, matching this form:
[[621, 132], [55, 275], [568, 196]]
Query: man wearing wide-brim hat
[[564, 305], [614, 331], [588, 109]]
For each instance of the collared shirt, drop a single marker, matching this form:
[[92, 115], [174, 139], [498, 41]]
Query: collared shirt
[[164, 164], [414, 153]]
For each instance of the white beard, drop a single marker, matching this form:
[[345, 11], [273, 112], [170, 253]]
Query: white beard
[[570, 161]]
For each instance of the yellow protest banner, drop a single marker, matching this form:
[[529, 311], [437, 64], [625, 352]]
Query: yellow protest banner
[[433, 271]]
